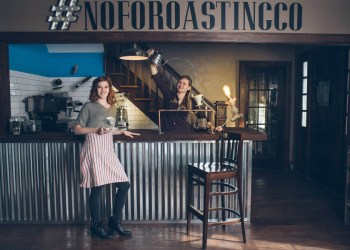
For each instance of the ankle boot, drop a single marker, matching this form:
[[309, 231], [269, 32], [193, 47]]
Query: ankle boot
[[98, 231], [115, 225]]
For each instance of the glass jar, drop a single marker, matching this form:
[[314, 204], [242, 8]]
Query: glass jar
[[31, 126], [15, 124]]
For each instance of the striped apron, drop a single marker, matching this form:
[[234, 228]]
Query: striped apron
[[99, 164]]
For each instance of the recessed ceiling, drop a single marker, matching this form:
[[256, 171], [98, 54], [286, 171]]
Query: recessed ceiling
[[75, 48]]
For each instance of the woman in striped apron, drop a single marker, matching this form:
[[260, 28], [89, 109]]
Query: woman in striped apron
[[98, 162]]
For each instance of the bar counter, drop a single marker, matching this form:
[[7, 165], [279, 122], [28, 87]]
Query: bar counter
[[40, 175], [147, 135]]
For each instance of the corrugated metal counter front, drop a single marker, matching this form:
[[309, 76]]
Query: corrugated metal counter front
[[39, 181]]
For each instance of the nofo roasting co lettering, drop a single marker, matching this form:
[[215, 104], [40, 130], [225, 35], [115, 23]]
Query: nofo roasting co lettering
[[192, 15]]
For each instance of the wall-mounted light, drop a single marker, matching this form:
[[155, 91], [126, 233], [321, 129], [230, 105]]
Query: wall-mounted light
[[134, 54]]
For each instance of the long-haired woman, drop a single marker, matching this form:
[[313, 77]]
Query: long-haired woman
[[98, 162]]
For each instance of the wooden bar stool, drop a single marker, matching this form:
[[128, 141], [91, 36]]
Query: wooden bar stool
[[221, 179]]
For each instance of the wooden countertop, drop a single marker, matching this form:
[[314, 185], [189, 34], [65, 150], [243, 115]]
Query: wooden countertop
[[248, 134], [146, 136]]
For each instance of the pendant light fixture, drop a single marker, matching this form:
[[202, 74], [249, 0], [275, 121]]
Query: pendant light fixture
[[134, 54]]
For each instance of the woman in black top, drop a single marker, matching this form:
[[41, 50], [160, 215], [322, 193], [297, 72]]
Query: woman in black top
[[181, 100], [175, 121]]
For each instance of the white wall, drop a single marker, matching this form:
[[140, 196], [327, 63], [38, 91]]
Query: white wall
[[23, 85]]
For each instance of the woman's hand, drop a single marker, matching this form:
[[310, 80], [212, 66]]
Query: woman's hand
[[153, 66], [218, 128], [115, 131], [150, 52], [79, 130], [102, 131], [129, 134]]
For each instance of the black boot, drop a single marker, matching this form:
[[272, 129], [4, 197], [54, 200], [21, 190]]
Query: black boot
[[98, 231], [115, 225]]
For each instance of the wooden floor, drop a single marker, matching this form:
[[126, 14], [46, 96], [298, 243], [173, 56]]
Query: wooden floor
[[287, 213]]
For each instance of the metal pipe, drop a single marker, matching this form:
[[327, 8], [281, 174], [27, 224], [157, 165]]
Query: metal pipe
[[181, 110]]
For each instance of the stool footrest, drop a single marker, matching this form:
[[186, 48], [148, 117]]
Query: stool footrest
[[226, 222], [234, 189], [223, 184], [225, 209], [198, 213], [223, 193]]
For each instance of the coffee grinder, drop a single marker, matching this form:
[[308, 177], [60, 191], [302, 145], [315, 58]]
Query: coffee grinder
[[122, 112]]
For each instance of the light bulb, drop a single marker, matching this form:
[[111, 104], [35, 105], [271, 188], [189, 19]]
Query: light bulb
[[227, 91]]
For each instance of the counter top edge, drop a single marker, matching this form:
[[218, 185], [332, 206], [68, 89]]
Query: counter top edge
[[146, 136]]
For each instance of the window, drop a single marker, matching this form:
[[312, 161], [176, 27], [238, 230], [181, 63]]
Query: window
[[262, 115], [304, 94], [347, 98]]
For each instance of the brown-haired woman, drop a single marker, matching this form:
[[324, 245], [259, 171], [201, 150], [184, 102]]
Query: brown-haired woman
[[98, 162]]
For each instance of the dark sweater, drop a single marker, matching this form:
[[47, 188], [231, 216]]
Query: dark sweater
[[172, 121]]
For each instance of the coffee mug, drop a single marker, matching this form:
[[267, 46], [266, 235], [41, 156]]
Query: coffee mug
[[198, 99], [110, 120]]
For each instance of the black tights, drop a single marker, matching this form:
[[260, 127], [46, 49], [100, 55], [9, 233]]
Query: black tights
[[119, 201]]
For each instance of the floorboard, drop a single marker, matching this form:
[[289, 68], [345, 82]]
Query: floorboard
[[288, 212]]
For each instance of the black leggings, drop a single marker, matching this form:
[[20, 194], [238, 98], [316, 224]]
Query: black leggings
[[119, 201]]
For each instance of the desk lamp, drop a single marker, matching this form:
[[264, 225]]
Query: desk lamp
[[235, 115]]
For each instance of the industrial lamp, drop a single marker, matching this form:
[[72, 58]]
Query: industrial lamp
[[134, 54]]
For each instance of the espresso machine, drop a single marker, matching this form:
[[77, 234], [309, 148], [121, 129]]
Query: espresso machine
[[45, 108], [122, 112]]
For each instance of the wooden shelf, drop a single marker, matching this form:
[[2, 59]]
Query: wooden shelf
[[144, 99], [129, 86]]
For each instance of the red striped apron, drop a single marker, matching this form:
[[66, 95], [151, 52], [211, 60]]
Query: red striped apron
[[99, 164]]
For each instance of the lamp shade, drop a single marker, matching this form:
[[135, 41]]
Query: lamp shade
[[134, 54], [156, 58]]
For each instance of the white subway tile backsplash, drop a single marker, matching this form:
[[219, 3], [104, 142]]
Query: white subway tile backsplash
[[131, 117]]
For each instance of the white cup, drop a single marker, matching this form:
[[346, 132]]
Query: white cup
[[198, 99]]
